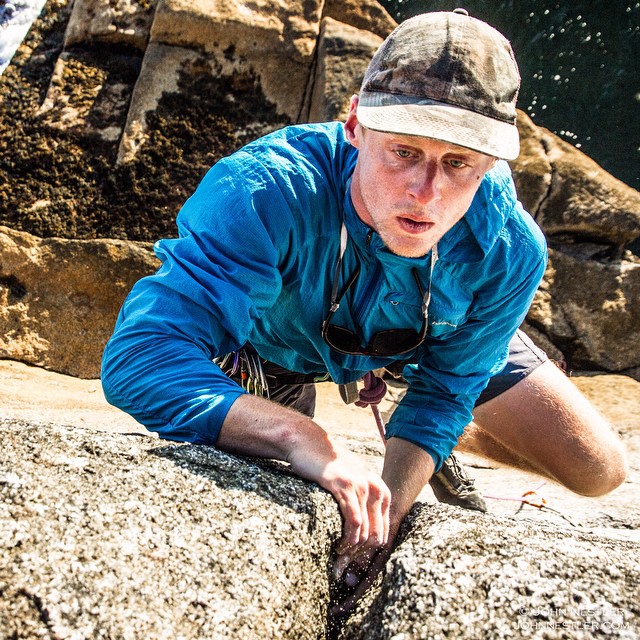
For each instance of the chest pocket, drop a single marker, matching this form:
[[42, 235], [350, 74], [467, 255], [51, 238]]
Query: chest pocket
[[399, 309], [403, 302], [450, 305]]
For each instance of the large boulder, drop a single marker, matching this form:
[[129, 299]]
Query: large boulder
[[272, 40], [468, 576], [128, 536], [105, 535], [344, 53], [571, 197], [59, 298], [112, 110], [125, 22], [165, 90], [368, 15], [585, 305]]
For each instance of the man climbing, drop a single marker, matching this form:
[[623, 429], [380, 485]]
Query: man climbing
[[327, 251]]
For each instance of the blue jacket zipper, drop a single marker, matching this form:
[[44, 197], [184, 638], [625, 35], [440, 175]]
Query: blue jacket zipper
[[371, 288]]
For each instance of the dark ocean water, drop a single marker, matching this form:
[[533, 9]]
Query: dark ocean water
[[579, 63]]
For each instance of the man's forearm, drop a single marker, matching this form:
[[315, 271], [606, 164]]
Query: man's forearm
[[407, 469], [258, 427]]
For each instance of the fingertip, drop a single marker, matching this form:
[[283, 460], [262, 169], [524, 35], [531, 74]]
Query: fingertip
[[350, 539], [380, 541], [339, 566], [351, 579], [352, 534], [358, 538]]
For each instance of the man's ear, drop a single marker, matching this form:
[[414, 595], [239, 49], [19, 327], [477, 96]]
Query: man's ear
[[351, 123]]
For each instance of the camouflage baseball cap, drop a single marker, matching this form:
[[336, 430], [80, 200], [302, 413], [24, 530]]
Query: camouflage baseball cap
[[448, 76]]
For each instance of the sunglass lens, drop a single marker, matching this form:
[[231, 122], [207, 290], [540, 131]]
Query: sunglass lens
[[342, 339], [394, 342]]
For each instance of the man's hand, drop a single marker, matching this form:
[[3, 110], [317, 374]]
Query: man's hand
[[372, 508], [407, 469], [361, 494], [257, 427]]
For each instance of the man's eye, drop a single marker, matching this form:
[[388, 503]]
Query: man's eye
[[456, 164], [403, 153]]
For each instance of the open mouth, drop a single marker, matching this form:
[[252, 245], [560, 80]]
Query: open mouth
[[414, 226]]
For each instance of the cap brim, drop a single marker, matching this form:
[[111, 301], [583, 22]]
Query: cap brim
[[447, 123]]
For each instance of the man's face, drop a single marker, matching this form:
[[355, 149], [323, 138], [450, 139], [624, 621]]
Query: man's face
[[410, 189]]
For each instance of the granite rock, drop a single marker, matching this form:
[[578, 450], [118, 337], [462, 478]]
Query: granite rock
[[108, 535], [459, 574], [116, 535]]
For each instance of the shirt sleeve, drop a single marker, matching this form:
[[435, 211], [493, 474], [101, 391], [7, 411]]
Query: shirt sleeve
[[216, 278], [455, 366]]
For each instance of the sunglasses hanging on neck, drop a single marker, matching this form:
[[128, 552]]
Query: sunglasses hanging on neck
[[390, 342]]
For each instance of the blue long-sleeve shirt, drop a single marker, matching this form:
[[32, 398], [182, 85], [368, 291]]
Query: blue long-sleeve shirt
[[254, 262]]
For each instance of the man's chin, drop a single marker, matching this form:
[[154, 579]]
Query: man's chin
[[409, 249]]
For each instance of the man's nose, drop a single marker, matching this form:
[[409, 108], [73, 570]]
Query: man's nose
[[425, 185]]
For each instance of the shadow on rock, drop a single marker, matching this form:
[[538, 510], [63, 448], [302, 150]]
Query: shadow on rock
[[99, 538]]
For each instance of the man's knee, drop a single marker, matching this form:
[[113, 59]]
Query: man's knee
[[548, 422], [603, 472], [603, 454]]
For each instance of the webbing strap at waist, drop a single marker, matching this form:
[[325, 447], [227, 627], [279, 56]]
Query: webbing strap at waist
[[296, 378]]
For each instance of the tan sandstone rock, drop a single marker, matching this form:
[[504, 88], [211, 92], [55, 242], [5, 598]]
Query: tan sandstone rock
[[343, 55], [587, 304], [367, 15], [160, 73], [588, 307], [84, 99], [570, 194], [217, 74], [306, 72], [59, 298], [273, 39], [125, 22]]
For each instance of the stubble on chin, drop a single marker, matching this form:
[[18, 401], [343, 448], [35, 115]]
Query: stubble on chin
[[406, 248]]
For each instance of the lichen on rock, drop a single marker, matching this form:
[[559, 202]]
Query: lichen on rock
[[62, 117]]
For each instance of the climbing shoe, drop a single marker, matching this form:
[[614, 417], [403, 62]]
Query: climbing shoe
[[452, 485]]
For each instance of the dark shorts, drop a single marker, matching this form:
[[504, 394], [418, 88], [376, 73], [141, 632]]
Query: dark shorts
[[298, 391], [524, 357]]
